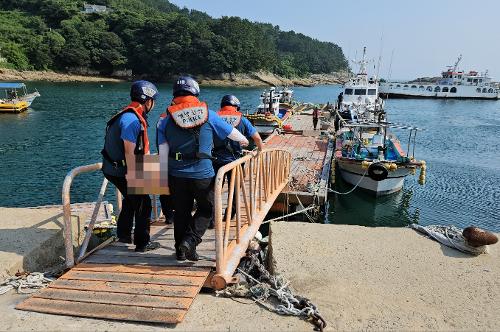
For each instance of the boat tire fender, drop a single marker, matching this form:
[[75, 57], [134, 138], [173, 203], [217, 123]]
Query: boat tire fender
[[377, 172]]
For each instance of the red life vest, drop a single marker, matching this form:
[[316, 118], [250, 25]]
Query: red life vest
[[231, 115], [138, 110], [188, 112]]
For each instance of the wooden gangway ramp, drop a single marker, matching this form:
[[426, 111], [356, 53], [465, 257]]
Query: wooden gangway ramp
[[311, 151], [117, 283]]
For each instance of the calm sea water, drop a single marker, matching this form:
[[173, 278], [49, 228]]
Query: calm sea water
[[461, 144]]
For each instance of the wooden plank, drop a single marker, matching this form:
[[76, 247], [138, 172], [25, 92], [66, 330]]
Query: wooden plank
[[160, 252], [134, 278], [140, 300], [127, 256], [103, 259], [107, 311], [127, 288], [156, 270]]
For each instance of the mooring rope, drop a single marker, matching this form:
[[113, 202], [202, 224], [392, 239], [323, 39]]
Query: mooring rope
[[350, 191]]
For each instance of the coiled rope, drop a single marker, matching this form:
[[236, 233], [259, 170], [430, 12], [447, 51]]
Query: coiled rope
[[25, 283]]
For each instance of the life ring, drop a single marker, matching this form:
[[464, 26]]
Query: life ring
[[377, 172]]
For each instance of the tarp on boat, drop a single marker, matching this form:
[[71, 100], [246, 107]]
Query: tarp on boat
[[11, 85]]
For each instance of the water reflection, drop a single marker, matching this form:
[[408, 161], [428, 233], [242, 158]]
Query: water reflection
[[362, 208]]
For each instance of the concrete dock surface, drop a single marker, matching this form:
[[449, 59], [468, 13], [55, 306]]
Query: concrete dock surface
[[388, 278], [360, 278]]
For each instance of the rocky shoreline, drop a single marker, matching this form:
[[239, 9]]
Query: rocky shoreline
[[267, 79], [50, 76], [223, 80]]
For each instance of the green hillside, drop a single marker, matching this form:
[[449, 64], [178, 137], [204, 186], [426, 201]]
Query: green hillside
[[154, 39]]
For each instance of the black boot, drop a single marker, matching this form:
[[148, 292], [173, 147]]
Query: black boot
[[180, 255], [189, 250]]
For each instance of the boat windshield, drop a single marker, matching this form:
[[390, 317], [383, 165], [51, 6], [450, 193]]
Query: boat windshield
[[348, 92], [372, 92], [360, 92]]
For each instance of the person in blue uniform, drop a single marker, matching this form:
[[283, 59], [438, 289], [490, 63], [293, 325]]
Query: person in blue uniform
[[227, 151], [126, 141], [185, 138]]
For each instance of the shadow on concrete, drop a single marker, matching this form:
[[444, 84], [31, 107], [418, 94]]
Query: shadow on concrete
[[450, 252], [36, 247]]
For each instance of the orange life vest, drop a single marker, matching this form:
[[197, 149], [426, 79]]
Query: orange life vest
[[188, 112], [138, 109], [231, 115]]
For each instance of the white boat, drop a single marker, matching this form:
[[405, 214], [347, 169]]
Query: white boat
[[273, 111], [453, 83], [367, 154], [17, 99], [360, 95]]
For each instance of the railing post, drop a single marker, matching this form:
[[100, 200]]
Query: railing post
[[66, 201], [155, 208], [68, 229], [90, 227]]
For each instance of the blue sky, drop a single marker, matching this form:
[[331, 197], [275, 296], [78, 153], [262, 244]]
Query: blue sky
[[426, 35]]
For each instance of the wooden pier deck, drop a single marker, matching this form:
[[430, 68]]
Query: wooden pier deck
[[312, 153]]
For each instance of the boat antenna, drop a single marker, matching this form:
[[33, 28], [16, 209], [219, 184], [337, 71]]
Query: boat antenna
[[380, 56], [362, 63], [389, 74]]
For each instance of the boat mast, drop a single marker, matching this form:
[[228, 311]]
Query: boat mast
[[389, 74], [379, 57], [455, 66]]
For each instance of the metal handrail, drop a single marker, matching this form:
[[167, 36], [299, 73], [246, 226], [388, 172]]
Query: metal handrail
[[256, 180], [66, 201]]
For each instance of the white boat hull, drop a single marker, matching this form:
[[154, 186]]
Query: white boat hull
[[352, 173], [30, 97]]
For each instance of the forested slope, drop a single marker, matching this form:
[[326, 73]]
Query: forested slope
[[154, 39]]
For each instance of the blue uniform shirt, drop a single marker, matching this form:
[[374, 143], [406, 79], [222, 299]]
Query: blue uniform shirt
[[222, 153], [183, 141], [130, 127]]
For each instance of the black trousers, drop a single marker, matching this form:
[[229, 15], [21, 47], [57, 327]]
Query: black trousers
[[138, 206], [315, 122], [183, 192], [167, 206]]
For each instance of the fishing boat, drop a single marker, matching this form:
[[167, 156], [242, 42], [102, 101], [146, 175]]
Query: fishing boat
[[367, 154], [453, 83], [360, 95], [17, 99], [272, 112]]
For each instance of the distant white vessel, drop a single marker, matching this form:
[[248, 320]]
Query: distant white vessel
[[454, 83]]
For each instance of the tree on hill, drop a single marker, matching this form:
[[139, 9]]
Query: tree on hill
[[155, 39]]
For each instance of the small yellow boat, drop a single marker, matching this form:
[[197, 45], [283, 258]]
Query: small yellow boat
[[14, 101]]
